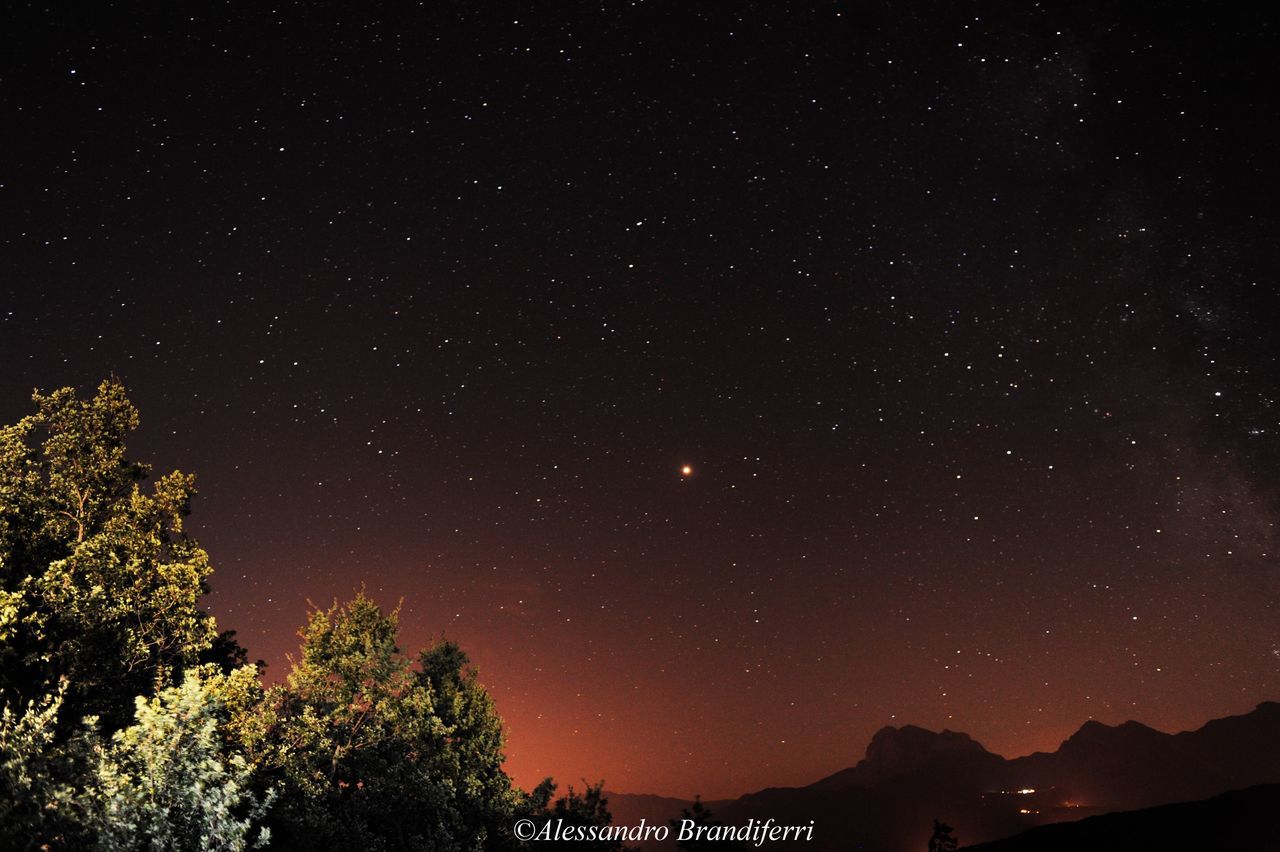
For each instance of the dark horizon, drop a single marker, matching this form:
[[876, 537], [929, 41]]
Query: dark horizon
[[960, 315]]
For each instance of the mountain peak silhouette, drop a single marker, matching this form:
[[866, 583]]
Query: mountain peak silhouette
[[897, 751], [1094, 734]]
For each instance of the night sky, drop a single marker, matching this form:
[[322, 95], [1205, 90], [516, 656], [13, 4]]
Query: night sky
[[961, 315]]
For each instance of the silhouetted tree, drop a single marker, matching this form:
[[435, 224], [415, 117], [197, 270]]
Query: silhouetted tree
[[700, 815], [942, 840], [587, 809]]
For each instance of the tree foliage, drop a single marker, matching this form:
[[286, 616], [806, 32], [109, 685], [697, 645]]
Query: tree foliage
[[99, 584], [374, 751], [42, 775], [165, 783]]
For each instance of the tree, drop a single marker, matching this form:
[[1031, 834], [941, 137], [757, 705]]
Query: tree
[[588, 809], [375, 752], [164, 783], [700, 817], [99, 593], [226, 652], [942, 840], [99, 583], [41, 775]]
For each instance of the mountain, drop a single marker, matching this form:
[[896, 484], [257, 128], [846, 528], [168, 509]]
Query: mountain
[[1241, 821], [910, 775], [1132, 766], [910, 750]]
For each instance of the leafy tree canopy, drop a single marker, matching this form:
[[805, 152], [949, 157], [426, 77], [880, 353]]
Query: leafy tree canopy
[[99, 583], [166, 784], [375, 750]]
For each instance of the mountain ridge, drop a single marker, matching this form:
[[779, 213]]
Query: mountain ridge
[[909, 774]]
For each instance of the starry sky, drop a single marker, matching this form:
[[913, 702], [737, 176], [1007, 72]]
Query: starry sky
[[961, 316]]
